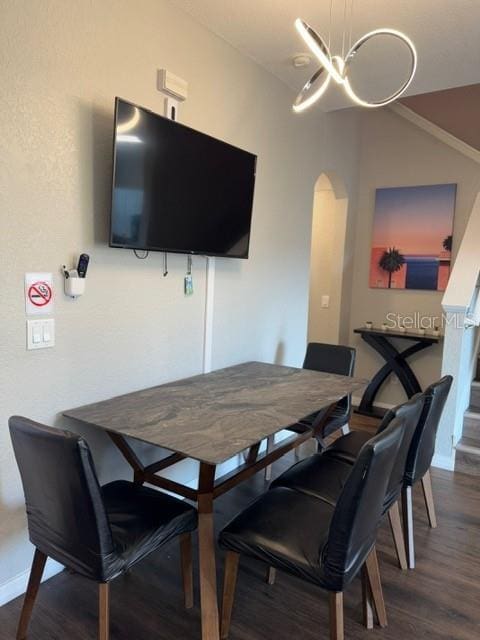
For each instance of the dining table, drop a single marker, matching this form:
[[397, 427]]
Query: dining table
[[214, 417]]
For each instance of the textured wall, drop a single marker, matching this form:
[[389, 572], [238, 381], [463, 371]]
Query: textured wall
[[396, 153], [62, 64], [326, 266]]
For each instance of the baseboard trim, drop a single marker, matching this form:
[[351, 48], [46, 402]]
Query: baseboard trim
[[17, 585], [444, 462], [381, 405]]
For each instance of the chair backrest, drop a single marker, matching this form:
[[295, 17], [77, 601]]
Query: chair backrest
[[65, 511], [423, 443], [359, 509], [331, 358], [410, 412]]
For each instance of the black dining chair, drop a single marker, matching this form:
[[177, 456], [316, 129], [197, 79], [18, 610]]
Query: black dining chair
[[418, 461], [320, 473], [331, 358], [98, 532], [324, 543], [327, 358]]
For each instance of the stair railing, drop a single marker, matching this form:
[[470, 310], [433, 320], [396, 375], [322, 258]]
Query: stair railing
[[461, 305]]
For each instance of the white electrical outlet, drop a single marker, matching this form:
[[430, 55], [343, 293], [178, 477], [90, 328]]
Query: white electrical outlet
[[40, 334]]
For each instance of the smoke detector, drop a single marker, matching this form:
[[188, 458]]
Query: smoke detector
[[301, 60]]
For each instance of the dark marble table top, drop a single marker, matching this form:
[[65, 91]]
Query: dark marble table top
[[212, 417]]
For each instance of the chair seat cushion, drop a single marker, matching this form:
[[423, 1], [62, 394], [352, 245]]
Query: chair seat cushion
[[142, 520], [319, 476], [348, 447], [336, 420], [286, 529]]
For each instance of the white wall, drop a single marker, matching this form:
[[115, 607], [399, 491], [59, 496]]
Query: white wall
[[62, 64], [394, 152], [326, 262]]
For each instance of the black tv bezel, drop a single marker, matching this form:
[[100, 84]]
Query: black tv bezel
[[115, 245]]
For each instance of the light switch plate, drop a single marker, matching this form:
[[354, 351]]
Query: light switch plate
[[40, 334], [325, 302]]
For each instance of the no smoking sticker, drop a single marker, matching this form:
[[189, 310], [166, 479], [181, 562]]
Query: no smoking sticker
[[38, 293]]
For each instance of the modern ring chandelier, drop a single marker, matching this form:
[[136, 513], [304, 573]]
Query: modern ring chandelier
[[337, 67]]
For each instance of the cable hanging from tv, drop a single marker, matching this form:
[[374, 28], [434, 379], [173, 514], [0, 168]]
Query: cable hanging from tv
[[146, 253]]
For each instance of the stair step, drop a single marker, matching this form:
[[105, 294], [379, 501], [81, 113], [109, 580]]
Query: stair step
[[469, 444], [471, 423], [475, 395], [467, 458]]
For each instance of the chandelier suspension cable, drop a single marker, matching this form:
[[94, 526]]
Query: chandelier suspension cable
[[350, 39], [344, 34], [330, 25]]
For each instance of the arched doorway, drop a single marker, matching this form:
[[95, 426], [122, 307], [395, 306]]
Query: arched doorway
[[329, 227]]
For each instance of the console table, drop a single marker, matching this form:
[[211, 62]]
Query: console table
[[395, 363]]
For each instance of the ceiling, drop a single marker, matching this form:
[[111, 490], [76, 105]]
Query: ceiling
[[454, 110], [446, 34]]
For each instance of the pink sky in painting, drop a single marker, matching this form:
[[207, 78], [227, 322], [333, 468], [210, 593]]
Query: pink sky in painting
[[415, 220]]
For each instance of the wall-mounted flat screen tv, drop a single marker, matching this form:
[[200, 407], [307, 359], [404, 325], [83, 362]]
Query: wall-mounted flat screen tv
[[176, 189]]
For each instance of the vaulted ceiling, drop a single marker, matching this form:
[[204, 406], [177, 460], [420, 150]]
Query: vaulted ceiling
[[454, 110], [446, 34]]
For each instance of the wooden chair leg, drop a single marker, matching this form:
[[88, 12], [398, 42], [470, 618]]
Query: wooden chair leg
[[229, 584], [429, 503], [398, 535], [103, 611], [366, 600], [36, 572], [408, 525], [187, 568], [373, 575], [271, 575], [270, 445], [336, 616]]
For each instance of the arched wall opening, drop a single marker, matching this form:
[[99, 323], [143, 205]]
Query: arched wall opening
[[327, 259]]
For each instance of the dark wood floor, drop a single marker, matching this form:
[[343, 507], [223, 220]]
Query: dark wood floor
[[440, 600]]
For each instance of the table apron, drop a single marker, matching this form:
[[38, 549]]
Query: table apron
[[254, 462]]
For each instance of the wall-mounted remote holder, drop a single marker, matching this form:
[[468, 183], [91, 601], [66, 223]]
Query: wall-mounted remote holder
[[74, 279]]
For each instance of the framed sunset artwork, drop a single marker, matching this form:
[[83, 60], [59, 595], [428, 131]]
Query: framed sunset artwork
[[412, 237]]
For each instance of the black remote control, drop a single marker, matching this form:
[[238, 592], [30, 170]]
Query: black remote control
[[83, 265]]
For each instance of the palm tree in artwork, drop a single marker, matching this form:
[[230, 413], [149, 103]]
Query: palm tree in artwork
[[447, 244], [391, 261]]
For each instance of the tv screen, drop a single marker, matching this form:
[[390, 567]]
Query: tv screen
[[176, 189]]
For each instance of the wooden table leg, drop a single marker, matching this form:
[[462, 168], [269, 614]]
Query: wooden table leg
[[206, 543]]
